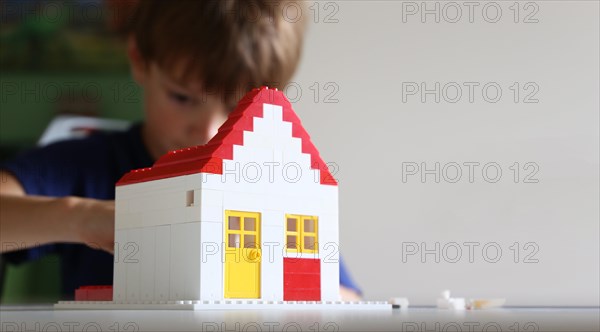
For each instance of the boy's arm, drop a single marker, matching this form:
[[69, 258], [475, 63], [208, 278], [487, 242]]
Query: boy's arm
[[28, 221]]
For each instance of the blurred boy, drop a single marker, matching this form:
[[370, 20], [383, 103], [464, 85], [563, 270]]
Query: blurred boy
[[193, 60]]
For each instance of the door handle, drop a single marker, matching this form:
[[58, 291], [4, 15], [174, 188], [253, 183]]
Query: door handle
[[254, 255]]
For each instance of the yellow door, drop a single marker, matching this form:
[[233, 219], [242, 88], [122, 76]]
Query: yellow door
[[242, 255]]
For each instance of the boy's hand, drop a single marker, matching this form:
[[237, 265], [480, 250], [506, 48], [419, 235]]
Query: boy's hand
[[349, 294], [95, 222]]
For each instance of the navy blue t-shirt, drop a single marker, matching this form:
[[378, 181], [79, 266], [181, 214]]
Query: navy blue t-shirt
[[87, 167]]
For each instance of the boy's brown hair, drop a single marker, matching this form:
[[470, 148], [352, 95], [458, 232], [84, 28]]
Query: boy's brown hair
[[230, 46]]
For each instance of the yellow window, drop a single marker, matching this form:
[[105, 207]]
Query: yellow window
[[301, 233]]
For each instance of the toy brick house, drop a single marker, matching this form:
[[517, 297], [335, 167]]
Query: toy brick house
[[253, 214]]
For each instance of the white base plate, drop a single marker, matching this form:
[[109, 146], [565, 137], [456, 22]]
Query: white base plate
[[223, 305]]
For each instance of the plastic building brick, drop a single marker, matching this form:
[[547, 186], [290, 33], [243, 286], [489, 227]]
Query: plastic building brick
[[399, 303], [162, 263], [484, 303], [446, 302], [302, 279], [133, 264], [120, 269], [147, 256], [208, 226], [177, 268], [94, 293]]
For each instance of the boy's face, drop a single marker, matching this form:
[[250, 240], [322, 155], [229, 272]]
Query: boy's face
[[178, 115]]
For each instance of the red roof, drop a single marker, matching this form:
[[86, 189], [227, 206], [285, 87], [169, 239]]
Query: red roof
[[209, 158]]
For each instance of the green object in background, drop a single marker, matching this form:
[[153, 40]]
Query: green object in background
[[58, 36], [30, 101], [36, 281]]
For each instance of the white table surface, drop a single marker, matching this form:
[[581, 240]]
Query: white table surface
[[44, 318]]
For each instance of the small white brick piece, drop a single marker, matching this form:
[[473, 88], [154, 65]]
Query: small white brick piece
[[131, 259], [120, 270], [211, 272], [447, 302], [162, 266], [147, 263], [192, 260], [272, 263], [179, 260]]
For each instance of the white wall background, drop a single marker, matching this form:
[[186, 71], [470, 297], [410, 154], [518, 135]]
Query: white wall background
[[370, 132]]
